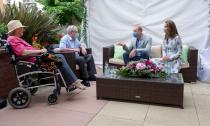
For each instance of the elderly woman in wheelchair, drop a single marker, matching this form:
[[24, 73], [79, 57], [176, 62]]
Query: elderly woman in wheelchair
[[34, 67]]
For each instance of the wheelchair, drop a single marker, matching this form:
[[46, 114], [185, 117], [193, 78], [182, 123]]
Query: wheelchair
[[32, 76]]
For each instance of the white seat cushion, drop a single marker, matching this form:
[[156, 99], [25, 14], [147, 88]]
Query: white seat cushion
[[116, 61], [185, 65], [156, 51]]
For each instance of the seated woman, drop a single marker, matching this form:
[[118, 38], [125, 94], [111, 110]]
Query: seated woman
[[172, 48], [22, 48]]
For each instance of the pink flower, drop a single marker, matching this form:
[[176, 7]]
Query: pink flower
[[148, 63], [140, 66]]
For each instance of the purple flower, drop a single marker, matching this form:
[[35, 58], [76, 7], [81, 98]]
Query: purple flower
[[131, 65]]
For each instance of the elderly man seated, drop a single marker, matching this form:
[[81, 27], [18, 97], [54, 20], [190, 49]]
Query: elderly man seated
[[70, 42]]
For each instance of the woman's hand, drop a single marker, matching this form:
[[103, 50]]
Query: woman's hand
[[166, 58]]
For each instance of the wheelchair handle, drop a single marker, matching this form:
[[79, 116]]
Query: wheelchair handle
[[3, 42]]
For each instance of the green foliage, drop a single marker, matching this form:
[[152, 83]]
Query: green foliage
[[37, 21], [65, 11], [50, 2], [3, 29], [68, 12]]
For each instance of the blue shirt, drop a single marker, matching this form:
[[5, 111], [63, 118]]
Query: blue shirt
[[143, 44], [67, 42]]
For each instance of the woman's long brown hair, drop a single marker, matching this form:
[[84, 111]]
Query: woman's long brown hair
[[173, 30]]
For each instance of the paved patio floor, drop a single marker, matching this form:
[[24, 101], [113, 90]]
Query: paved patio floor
[[81, 108]]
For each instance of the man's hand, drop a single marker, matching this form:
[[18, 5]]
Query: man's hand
[[121, 43], [166, 58], [84, 51], [76, 50], [43, 50], [132, 53]]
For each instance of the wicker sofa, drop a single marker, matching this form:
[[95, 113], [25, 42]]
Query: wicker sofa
[[189, 71]]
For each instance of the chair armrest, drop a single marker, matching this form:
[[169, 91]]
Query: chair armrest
[[190, 74], [26, 62], [70, 59], [22, 59], [193, 56], [89, 50], [108, 52]]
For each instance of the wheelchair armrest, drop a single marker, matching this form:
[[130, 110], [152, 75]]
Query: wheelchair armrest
[[26, 62], [24, 58]]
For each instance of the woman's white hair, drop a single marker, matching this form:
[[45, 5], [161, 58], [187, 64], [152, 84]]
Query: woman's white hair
[[71, 28]]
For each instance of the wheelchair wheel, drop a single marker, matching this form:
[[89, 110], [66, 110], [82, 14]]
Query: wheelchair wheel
[[57, 91], [19, 98], [52, 99]]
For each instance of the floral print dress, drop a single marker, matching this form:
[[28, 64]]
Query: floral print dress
[[173, 49]]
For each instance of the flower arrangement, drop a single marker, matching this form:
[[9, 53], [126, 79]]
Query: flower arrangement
[[35, 42], [44, 40], [49, 62], [142, 68]]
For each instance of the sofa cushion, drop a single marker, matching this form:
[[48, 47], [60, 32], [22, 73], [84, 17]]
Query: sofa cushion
[[118, 52], [156, 61], [156, 51], [121, 62], [116, 61], [185, 65]]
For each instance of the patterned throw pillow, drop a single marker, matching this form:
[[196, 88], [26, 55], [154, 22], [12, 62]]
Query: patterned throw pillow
[[118, 52]]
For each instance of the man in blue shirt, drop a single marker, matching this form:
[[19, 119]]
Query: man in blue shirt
[[70, 42], [139, 47]]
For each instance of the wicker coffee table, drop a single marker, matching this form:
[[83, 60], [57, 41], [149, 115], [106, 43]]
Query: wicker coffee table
[[164, 91]]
